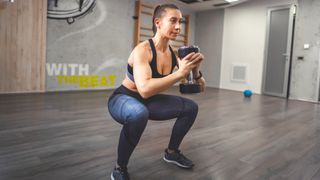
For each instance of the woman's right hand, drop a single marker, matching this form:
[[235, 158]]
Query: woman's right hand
[[189, 62]]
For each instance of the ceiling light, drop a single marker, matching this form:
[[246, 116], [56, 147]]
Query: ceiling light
[[231, 1]]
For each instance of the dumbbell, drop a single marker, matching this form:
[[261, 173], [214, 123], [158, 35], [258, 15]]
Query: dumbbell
[[189, 87]]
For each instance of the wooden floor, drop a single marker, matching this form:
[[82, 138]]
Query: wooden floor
[[64, 136]]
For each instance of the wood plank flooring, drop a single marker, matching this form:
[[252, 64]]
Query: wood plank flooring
[[70, 135]]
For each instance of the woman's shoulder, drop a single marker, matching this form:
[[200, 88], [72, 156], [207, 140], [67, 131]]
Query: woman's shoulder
[[143, 46], [142, 50]]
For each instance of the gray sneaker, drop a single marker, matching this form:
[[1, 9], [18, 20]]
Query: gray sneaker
[[120, 174], [178, 159]]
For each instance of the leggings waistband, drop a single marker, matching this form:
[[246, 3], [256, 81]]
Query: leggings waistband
[[124, 90]]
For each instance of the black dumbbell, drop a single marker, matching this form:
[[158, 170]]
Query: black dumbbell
[[189, 87]]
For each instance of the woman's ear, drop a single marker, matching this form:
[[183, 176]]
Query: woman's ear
[[157, 22]]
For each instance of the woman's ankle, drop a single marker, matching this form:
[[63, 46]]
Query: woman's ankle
[[170, 151], [121, 167]]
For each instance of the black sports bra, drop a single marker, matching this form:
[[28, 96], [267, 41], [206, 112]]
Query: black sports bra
[[153, 64]]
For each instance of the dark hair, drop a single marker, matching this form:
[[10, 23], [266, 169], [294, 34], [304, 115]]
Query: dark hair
[[158, 11]]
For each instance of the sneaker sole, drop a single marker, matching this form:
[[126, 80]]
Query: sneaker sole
[[176, 163]]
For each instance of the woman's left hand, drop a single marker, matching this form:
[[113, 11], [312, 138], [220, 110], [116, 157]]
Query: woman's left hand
[[202, 83]]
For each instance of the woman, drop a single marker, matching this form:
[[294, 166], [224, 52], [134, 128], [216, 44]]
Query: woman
[[149, 72]]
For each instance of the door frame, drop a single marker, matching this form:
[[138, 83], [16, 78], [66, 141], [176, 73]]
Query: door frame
[[292, 13], [318, 80]]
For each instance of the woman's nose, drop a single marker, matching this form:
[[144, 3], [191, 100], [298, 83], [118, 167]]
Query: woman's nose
[[177, 26]]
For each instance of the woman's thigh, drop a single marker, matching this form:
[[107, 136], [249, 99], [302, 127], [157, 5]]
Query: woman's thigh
[[124, 108], [164, 107]]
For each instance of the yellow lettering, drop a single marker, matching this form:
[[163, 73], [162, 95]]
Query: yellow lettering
[[112, 79], [60, 78], [84, 81], [104, 81], [75, 79], [68, 80], [94, 81], [88, 81]]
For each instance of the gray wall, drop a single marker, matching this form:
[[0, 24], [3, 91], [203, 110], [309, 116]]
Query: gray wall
[[304, 78], [98, 43], [209, 33], [102, 39]]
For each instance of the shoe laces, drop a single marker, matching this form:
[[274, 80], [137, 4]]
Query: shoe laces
[[122, 170], [179, 154]]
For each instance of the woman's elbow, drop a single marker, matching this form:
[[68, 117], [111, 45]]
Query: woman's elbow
[[144, 90], [144, 93]]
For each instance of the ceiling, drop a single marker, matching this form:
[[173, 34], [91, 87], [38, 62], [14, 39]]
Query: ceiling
[[203, 5]]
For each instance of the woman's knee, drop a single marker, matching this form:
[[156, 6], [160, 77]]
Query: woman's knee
[[137, 113], [190, 107]]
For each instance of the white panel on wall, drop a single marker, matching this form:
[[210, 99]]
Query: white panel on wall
[[239, 73]]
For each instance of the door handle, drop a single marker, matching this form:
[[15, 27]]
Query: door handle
[[286, 55]]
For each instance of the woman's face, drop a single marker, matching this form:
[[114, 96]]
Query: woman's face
[[170, 23]]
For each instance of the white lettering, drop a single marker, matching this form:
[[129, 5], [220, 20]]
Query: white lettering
[[73, 68], [53, 69], [83, 69]]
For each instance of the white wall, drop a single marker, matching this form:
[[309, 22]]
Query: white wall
[[244, 42]]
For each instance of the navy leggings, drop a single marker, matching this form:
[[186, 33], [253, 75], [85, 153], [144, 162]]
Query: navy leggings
[[133, 112]]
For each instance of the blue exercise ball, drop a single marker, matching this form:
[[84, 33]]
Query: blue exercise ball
[[247, 93]]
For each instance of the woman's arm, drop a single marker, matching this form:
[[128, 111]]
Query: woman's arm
[[148, 86]]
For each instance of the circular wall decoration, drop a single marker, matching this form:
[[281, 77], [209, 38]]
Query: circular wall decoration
[[69, 9]]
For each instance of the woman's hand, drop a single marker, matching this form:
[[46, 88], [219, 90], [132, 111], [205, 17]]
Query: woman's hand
[[202, 83], [189, 62], [197, 68]]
